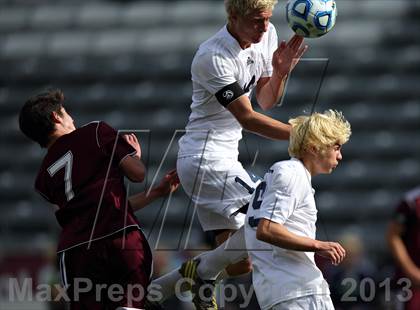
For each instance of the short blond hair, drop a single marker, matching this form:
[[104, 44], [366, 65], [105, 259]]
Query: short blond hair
[[319, 130], [244, 7]]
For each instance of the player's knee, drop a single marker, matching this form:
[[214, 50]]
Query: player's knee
[[247, 265], [240, 268]]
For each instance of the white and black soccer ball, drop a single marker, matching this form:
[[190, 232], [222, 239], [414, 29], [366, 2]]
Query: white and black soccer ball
[[311, 18]]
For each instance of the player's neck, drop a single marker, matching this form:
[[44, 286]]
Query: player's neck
[[52, 140], [310, 165], [58, 133], [243, 44]]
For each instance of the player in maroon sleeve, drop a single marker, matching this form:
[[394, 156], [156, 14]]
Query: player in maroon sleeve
[[82, 174], [404, 242]]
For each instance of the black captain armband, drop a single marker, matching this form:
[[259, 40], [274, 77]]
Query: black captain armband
[[229, 93]]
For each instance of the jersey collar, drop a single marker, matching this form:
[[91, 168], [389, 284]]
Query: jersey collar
[[231, 39], [308, 174]]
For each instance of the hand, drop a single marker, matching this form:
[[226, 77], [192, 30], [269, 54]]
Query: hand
[[287, 55], [332, 251], [168, 184], [132, 140]]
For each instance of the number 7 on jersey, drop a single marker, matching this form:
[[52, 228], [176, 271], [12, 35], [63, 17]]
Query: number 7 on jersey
[[66, 162]]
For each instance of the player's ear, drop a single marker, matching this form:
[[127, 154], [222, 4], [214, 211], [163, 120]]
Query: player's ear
[[313, 150], [55, 117], [233, 17]]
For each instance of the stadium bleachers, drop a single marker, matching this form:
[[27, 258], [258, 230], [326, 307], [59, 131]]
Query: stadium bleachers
[[128, 63]]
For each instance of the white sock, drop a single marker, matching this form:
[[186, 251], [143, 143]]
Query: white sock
[[165, 286], [212, 265], [229, 252]]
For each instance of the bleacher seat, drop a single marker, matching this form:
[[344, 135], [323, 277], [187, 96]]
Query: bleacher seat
[[129, 64]]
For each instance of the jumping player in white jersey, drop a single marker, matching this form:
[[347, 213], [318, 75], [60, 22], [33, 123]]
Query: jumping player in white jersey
[[243, 56], [280, 223]]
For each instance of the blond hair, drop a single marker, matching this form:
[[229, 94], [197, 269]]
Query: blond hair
[[244, 7], [319, 130]]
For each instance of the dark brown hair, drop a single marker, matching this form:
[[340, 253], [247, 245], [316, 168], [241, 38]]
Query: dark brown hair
[[35, 117]]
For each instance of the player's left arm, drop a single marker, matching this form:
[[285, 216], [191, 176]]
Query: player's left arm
[[269, 90], [167, 185]]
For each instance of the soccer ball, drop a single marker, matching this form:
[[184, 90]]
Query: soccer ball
[[311, 18]]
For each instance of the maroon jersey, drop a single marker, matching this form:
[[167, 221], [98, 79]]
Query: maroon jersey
[[408, 214], [81, 175]]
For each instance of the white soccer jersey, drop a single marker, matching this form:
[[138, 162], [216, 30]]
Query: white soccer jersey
[[212, 130], [286, 196]]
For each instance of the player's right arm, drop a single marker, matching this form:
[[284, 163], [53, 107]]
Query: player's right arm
[[124, 150], [132, 166], [278, 235], [256, 122], [400, 253], [216, 74]]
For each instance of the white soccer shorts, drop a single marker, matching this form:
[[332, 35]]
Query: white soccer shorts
[[218, 188]]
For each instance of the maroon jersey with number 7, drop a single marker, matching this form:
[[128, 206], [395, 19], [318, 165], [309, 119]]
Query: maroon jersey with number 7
[[81, 175]]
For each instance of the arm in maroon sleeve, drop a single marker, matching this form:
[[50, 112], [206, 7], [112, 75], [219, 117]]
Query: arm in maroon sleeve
[[132, 165], [125, 151], [398, 248], [167, 185]]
